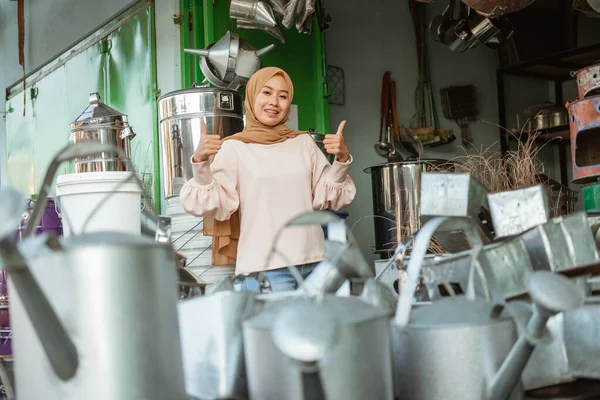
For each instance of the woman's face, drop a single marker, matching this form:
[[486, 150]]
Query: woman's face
[[272, 104]]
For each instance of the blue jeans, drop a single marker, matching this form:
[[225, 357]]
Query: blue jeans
[[280, 279]]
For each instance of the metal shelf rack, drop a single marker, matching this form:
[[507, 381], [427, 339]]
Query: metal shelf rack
[[555, 68]]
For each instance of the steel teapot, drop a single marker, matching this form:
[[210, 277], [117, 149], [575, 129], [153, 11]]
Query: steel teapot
[[465, 347]]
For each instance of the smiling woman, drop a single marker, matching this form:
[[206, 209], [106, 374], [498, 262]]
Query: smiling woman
[[272, 104], [262, 177]]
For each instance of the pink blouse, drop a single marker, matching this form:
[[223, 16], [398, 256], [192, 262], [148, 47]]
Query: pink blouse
[[269, 184]]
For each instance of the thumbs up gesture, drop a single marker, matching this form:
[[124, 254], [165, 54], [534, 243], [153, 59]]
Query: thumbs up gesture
[[335, 144], [209, 145]]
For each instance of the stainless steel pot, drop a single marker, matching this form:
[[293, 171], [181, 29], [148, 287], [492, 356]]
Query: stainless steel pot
[[181, 114], [546, 116], [396, 189], [100, 122]]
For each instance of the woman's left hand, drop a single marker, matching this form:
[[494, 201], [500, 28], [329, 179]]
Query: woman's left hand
[[335, 144]]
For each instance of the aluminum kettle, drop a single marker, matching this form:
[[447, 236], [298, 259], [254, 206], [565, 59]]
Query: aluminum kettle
[[466, 347], [93, 315]]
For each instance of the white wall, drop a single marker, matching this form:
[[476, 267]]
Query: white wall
[[366, 40]]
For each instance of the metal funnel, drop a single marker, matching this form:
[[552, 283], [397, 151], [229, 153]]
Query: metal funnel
[[230, 61], [271, 30], [259, 12], [278, 7], [221, 55]]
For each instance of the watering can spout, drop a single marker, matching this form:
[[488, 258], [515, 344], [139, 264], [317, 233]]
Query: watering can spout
[[551, 294], [57, 344]]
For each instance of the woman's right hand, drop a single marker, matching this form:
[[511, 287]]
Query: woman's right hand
[[209, 145]]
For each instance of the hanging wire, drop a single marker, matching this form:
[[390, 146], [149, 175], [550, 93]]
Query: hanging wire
[[424, 98]]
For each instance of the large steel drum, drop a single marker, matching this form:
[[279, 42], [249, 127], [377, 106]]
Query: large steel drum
[[396, 189], [180, 114]]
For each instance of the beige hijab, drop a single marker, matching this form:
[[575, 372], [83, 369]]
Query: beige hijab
[[227, 233]]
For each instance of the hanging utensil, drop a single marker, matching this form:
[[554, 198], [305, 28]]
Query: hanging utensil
[[292, 8], [459, 104], [278, 7], [383, 147], [258, 12], [406, 138]]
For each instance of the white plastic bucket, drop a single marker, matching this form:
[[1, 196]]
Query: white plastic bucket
[[79, 195]]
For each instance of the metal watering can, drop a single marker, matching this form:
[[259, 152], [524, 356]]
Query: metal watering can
[[94, 316], [470, 348], [321, 346]]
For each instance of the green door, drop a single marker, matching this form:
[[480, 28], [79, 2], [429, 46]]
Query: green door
[[301, 56]]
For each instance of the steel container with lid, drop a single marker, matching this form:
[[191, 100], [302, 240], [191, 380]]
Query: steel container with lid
[[181, 114], [100, 122]]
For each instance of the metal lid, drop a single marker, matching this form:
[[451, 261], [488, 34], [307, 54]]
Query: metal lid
[[458, 311], [420, 161], [98, 112]]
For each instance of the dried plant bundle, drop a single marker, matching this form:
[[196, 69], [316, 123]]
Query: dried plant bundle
[[517, 169]]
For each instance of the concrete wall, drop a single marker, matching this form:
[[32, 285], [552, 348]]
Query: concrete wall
[[52, 26], [366, 40]]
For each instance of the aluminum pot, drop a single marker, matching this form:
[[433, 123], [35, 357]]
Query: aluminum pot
[[100, 122], [396, 190], [181, 114]]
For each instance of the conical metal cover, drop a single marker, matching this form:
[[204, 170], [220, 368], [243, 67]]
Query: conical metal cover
[[97, 109], [273, 31], [256, 11]]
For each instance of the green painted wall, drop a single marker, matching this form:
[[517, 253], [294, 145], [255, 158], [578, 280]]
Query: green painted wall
[[122, 69], [301, 56]]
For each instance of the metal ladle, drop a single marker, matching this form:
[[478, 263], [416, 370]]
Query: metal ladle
[[383, 147], [307, 333]]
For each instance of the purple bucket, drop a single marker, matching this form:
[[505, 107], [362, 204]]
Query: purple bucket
[[5, 342], [5, 330], [50, 221]]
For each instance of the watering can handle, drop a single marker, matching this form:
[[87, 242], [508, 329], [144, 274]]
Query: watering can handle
[[81, 149], [336, 228], [419, 250]]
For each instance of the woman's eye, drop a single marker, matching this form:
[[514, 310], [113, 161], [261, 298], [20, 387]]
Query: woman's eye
[[283, 97], [266, 93]]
